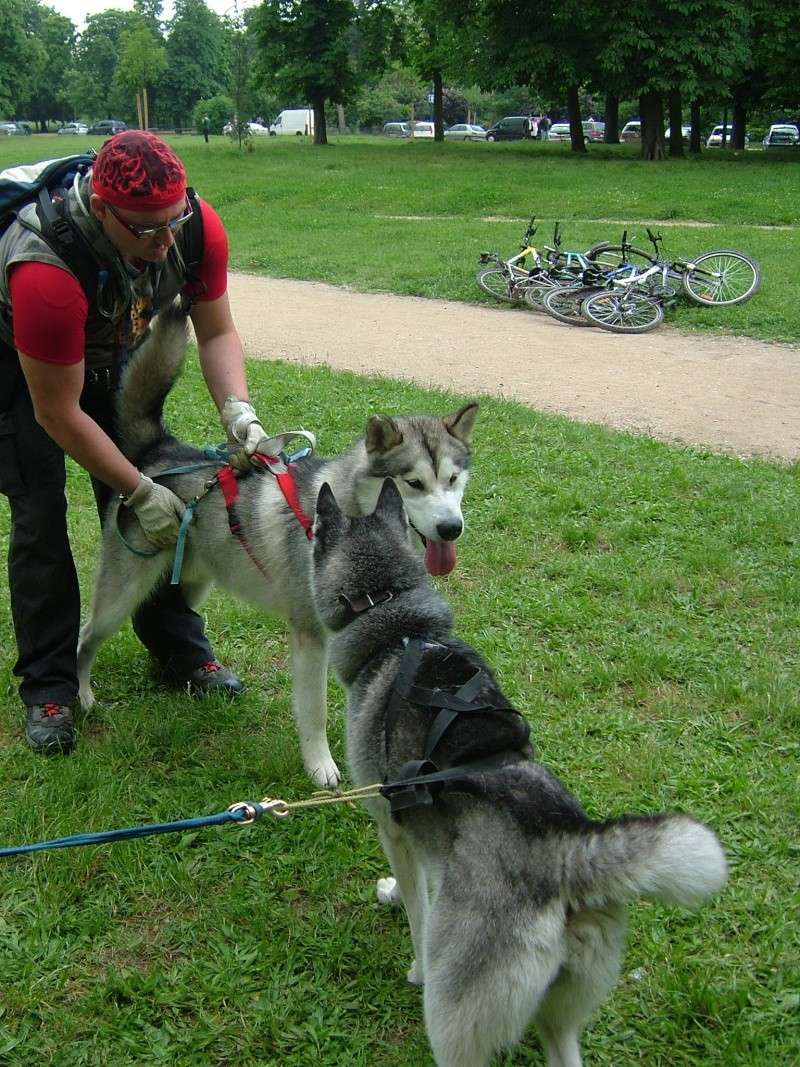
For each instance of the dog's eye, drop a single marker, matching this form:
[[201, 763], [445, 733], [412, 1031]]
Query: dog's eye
[[453, 479], [414, 483]]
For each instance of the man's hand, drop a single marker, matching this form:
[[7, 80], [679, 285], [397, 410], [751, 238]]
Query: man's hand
[[158, 510], [242, 425]]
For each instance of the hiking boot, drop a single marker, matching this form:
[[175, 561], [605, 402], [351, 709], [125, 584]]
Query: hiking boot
[[210, 677], [49, 728]]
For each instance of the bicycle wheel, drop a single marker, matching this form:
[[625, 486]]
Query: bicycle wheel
[[623, 312], [566, 303], [610, 257], [720, 278], [497, 283], [536, 290]]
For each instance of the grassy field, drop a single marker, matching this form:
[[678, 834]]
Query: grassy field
[[411, 218], [640, 605]]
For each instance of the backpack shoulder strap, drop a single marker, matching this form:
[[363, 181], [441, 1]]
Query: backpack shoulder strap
[[193, 244]]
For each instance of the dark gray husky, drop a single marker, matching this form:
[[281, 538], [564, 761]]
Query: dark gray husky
[[515, 897], [428, 456]]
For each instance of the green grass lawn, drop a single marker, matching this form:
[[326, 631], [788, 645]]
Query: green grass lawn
[[639, 603], [411, 217]]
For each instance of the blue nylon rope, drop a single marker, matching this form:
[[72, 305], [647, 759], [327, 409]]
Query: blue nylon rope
[[125, 834]]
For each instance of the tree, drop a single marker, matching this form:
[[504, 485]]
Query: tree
[[21, 56], [304, 52], [55, 36], [662, 47], [141, 61], [97, 54], [197, 60]]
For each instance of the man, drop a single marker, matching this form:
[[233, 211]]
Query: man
[[60, 355], [206, 127]]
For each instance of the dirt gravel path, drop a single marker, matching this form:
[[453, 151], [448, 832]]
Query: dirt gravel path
[[725, 394]]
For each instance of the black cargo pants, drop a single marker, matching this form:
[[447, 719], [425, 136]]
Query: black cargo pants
[[43, 583]]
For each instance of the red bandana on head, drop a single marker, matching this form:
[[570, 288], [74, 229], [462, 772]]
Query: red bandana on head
[[138, 171]]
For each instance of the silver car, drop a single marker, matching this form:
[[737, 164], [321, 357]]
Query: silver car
[[465, 131]]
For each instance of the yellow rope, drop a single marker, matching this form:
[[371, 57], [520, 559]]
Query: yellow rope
[[281, 808]]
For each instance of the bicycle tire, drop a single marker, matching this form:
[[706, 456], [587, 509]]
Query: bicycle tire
[[732, 275], [610, 257], [496, 282], [536, 290], [565, 303], [623, 312]]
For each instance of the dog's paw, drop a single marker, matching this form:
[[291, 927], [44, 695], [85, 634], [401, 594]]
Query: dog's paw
[[86, 697], [324, 773], [387, 892], [415, 975]]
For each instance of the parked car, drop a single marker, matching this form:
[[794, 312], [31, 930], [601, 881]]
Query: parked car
[[510, 128], [422, 129], [559, 131], [396, 129], [631, 132], [686, 133], [107, 127], [715, 137], [256, 129], [75, 128], [15, 129], [593, 129], [782, 135], [465, 131]]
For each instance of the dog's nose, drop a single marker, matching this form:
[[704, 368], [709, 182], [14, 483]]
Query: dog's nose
[[449, 531]]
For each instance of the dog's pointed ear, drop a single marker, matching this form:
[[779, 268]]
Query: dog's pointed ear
[[328, 519], [383, 433], [461, 423], [390, 506]]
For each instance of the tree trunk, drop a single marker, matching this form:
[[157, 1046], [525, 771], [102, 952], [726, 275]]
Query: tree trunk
[[739, 119], [611, 135], [724, 127], [139, 114], [695, 144], [438, 107], [145, 111], [675, 124], [651, 111], [320, 129], [575, 128], [340, 117]]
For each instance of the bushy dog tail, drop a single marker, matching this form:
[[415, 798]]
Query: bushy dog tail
[[148, 377], [671, 857]]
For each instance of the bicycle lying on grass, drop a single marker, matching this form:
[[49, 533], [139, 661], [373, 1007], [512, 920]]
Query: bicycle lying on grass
[[626, 289], [532, 272]]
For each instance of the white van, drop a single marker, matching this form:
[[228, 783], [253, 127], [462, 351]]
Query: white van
[[298, 121]]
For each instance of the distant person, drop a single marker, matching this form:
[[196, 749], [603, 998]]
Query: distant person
[[544, 128], [206, 127], [534, 126]]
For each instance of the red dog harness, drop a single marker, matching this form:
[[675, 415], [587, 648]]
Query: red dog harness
[[284, 476]]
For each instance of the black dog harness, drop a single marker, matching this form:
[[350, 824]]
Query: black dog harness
[[417, 779]]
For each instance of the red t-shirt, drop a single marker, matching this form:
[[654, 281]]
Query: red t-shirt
[[48, 302]]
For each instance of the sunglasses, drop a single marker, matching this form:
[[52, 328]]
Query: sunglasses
[[142, 233]]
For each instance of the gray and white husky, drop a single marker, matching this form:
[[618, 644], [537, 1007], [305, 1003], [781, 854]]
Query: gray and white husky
[[515, 898], [428, 456]]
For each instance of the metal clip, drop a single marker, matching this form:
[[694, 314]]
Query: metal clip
[[278, 808], [250, 809]]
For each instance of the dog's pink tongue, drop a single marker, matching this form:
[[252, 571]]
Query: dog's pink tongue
[[440, 557]]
